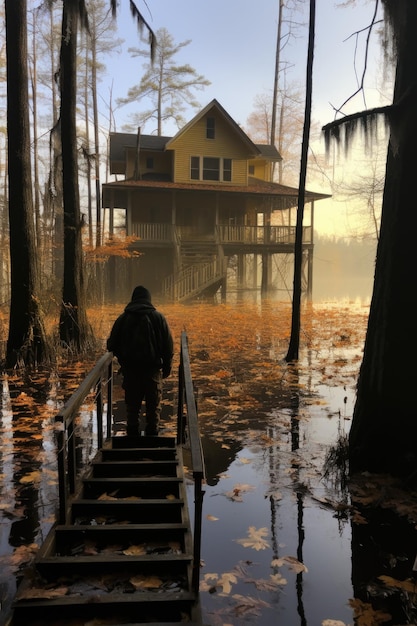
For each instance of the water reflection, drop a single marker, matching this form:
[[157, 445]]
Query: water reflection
[[264, 462], [27, 501], [28, 462], [384, 547], [298, 489]]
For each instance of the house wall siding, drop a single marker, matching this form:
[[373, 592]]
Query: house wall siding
[[262, 170], [162, 163], [226, 144]]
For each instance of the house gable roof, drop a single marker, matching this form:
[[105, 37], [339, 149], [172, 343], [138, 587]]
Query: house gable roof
[[120, 142], [214, 104], [269, 152]]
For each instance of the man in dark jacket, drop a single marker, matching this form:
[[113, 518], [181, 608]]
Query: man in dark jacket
[[142, 342]]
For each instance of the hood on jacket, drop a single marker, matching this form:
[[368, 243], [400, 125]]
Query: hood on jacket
[[141, 293], [140, 302]]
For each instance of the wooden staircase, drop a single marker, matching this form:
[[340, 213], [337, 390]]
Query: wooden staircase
[[123, 551], [126, 552], [193, 281]]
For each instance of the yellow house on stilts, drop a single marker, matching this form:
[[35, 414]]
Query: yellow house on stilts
[[198, 203]]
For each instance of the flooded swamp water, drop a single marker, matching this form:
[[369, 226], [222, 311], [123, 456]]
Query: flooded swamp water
[[283, 541]]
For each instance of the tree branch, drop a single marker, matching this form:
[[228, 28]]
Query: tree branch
[[369, 28]]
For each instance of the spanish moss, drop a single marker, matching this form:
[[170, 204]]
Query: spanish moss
[[365, 123]]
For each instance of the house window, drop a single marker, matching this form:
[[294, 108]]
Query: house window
[[211, 168], [149, 163], [251, 170], [195, 168], [227, 170], [210, 128]]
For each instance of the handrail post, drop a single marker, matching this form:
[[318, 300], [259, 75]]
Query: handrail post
[[180, 408], [186, 389], [62, 477], [109, 399], [99, 412], [71, 457], [198, 517]]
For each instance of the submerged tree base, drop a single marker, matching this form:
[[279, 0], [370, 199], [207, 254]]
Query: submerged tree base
[[75, 332]]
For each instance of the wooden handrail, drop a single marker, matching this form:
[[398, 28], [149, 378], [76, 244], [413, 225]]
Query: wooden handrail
[[188, 425], [68, 470]]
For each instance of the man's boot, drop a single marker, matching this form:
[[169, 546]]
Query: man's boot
[[132, 425]]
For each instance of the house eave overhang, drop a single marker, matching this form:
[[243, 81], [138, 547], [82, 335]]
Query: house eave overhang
[[288, 196]]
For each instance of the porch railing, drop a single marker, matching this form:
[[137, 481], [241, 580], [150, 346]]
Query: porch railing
[[154, 232], [261, 234], [167, 233]]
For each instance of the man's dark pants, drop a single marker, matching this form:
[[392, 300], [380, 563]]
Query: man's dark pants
[[142, 386]]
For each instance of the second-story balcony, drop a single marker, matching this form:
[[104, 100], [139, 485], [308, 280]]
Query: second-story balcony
[[262, 234], [151, 234]]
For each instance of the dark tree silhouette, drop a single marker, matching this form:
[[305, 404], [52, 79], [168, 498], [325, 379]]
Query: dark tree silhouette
[[75, 330], [293, 348], [384, 427], [27, 343]]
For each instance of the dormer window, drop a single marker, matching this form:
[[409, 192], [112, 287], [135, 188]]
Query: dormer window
[[210, 128]]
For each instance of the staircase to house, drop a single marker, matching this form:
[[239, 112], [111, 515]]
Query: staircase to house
[[197, 252], [199, 275], [123, 550], [193, 281]]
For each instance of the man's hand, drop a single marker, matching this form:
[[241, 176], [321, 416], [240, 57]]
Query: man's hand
[[166, 372]]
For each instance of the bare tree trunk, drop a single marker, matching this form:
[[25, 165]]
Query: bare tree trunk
[[26, 344], [35, 139], [276, 80], [293, 349], [54, 194], [87, 145], [96, 137], [74, 328], [384, 427], [4, 230]]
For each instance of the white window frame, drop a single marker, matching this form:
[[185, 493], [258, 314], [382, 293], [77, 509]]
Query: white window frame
[[222, 170]]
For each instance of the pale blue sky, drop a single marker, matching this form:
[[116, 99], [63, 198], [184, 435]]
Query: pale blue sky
[[233, 46]]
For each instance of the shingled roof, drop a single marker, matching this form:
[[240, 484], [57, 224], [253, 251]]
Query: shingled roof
[[284, 197]]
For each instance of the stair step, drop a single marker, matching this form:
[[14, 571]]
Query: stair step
[[138, 454], [171, 567], [134, 468], [112, 512], [147, 443], [66, 540], [145, 606], [127, 487]]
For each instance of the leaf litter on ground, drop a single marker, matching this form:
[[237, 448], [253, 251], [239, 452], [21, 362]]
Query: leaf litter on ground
[[242, 377]]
